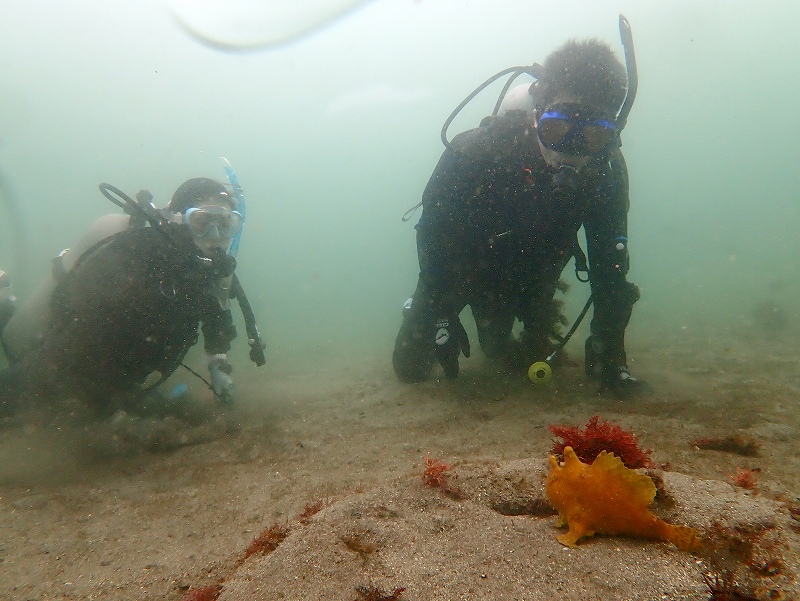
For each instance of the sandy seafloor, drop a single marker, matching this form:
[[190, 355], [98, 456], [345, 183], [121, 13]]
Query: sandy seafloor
[[146, 509]]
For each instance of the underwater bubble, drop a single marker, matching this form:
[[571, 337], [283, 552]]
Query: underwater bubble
[[255, 24]]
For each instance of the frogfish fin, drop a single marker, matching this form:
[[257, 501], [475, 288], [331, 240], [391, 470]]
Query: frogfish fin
[[571, 458], [684, 538], [640, 485], [575, 533]]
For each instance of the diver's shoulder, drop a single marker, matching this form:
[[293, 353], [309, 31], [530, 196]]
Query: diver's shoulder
[[150, 239], [498, 137]]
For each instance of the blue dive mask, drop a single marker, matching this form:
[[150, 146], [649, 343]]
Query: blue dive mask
[[563, 129]]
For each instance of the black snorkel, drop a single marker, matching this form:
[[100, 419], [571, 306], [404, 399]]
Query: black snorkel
[[626, 36]]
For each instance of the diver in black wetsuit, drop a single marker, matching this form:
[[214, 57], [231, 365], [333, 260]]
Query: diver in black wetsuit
[[125, 310], [500, 218]]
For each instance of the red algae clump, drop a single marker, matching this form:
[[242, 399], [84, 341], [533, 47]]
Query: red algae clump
[[309, 511], [601, 436], [435, 474], [745, 478], [266, 542]]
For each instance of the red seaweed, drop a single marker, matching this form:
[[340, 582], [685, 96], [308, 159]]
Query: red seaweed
[[309, 511], [266, 542], [435, 474], [745, 477], [601, 436]]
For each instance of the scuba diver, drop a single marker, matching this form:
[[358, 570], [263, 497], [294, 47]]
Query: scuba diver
[[122, 308], [501, 213]]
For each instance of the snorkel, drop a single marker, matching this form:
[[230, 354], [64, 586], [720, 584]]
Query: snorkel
[[626, 37], [238, 194], [253, 335]]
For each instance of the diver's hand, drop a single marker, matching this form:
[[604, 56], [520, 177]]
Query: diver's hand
[[450, 341], [412, 358], [221, 383], [257, 346]]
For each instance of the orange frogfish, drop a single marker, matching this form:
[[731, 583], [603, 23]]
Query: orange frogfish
[[608, 498]]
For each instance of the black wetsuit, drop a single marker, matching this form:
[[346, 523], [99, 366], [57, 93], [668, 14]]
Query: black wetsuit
[[130, 306], [497, 230]]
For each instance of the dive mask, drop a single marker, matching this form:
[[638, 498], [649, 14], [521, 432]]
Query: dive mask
[[563, 129], [204, 221]]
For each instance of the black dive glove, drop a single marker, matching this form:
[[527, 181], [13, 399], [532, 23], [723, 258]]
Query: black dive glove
[[451, 340], [412, 358], [423, 340]]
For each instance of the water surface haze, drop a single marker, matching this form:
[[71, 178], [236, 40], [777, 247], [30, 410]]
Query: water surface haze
[[335, 134]]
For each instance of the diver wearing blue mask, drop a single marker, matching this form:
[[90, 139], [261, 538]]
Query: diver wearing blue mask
[[500, 218]]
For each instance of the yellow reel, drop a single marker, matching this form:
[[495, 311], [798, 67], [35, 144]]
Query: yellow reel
[[540, 372]]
